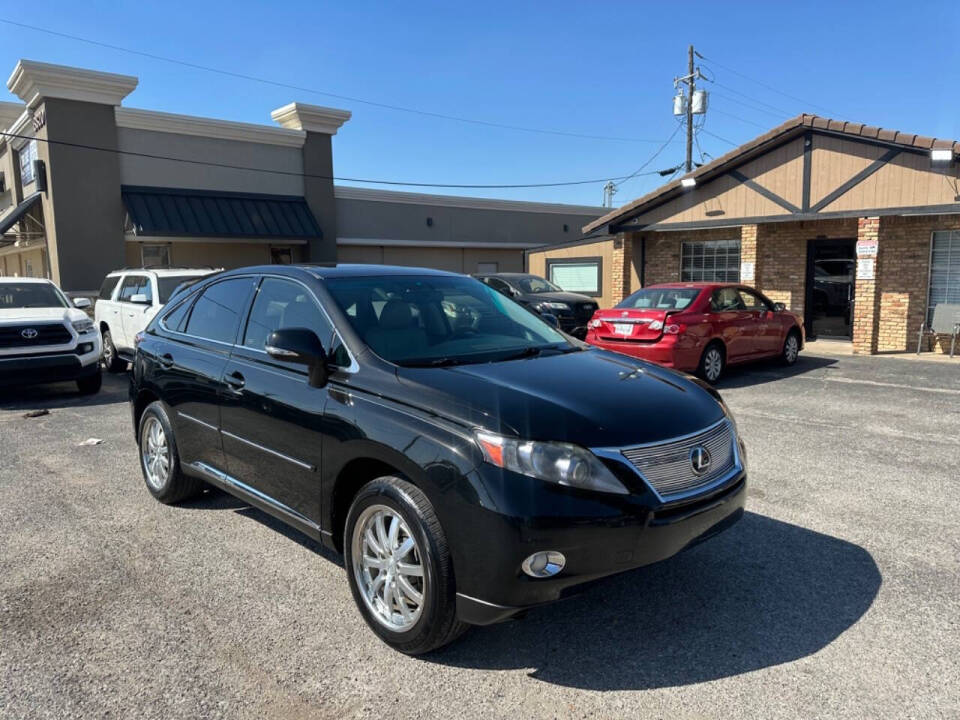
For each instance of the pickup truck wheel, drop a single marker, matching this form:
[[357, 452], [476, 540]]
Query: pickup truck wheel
[[159, 459], [399, 567], [90, 385], [111, 360]]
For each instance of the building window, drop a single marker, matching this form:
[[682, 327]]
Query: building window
[[710, 261], [579, 275], [486, 268], [944, 270], [281, 256], [155, 255], [27, 154]]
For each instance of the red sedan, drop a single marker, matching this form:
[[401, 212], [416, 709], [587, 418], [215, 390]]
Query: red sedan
[[698, 327]]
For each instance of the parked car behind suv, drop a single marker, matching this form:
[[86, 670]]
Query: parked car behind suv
[[128, 301], [469, 460], [44, 337], [543, 297], [698, 327]]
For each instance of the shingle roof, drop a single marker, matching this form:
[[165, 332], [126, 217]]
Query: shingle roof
[[796, 125], [200, 213]]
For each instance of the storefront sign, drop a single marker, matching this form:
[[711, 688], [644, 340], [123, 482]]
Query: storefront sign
[[867, 248], [866, 268], [747, 270]]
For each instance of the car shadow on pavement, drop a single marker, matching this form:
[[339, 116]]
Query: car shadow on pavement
[[63, 395], [762, 594], [764, 371]]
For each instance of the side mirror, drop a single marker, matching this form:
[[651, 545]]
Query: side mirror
[[301, 346], [779, 307], [81, 303], [551, 319], [140, 299]]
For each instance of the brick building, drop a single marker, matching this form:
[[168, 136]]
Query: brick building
[[854, 227]]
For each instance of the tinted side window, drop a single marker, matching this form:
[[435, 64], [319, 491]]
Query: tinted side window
[[109, 284], [146, 288], [753, 301], [499, 285], [284, 304], [725, 300], [130, 287], [216, 313]]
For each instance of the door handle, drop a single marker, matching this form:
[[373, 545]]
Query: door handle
[[235, 380], [166, 360]]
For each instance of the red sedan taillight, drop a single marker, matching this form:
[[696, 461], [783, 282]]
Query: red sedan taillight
[[675, 329]]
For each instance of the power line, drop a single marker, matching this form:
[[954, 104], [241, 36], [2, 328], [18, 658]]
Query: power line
[[737, 117], [299, 88], [228, 166], [654, 156], [723, 139], [766, 85], [751, 106], [754, 100]]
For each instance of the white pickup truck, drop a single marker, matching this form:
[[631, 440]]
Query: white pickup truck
[[128, 301], [46, 338]]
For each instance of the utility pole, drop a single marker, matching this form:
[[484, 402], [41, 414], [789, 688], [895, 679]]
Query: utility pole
[[691, 86]]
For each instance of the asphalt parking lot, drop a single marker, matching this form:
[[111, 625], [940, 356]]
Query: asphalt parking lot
[[838, 594]]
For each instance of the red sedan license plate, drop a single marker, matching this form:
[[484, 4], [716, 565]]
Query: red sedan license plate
[[622, 328]]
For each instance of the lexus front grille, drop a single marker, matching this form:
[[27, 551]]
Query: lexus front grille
[[683, 466]]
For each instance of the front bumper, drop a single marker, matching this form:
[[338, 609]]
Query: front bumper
[[40, 368], [599, 534]]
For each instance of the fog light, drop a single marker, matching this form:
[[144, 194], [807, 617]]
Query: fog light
[[85, 348], [544, 564]]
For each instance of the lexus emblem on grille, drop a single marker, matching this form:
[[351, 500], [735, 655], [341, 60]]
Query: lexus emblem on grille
[[700, 459], [28, 333]]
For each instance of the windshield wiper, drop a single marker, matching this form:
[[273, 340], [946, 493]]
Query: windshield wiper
[[435, 362], [532, 351]]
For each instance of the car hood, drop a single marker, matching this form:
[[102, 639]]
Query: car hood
[[571, 298], [21, 315], [593, 398]]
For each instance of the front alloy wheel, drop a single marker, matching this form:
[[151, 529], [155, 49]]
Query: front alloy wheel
[[388, 568], [791, 349], [399, 566]]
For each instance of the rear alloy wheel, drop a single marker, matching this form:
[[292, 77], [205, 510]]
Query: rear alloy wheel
[[399, 567], [712, 363], [159, 459], [791, 348], [111, 360]]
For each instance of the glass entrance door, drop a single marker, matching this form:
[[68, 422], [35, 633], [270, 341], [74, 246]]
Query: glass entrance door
[[830, 282]]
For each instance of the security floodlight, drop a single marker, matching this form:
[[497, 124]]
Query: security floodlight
[[941, 155], [688, 182]]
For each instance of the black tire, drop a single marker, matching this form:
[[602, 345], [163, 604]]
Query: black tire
[[437, 624], [176, 485], [791, 348], [90, 385], [111, 360], [713, 362]]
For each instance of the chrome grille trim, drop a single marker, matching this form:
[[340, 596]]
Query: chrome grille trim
[[666, 466]]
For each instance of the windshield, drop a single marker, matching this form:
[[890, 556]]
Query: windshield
[[166, 285], [30, 295], [661, 298], [531, 285], [437, 320]]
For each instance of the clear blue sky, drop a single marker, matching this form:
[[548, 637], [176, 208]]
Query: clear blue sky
[[591, 68]]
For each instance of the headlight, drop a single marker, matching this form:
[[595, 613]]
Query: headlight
[[561, 463], [83, 325], [554, 306]]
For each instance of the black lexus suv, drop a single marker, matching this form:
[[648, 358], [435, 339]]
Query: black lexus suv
[[468, 460], [572, 310]]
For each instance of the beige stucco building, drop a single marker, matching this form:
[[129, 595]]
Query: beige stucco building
[[90, 184]]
